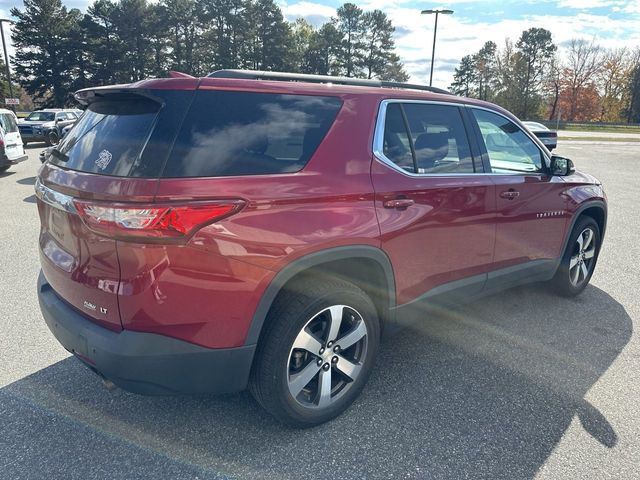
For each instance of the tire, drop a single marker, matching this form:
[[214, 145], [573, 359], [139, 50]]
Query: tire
[[305, 316], [565, 282], [52, 138]]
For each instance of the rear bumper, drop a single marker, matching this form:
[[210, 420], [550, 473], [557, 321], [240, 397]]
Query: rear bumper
[[145, 363], [4, 160]]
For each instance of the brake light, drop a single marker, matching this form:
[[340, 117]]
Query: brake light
[[153, 221]]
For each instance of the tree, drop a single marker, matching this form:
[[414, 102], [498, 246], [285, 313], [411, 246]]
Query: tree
[[271, 38], [102, 42], [464, 77], [379, 59], [552, 88], [633, 89], [536, 50], [43, 61], [302, 34], [324, 49], [613, 79], [584, 61], [484, 62], [350, 25]]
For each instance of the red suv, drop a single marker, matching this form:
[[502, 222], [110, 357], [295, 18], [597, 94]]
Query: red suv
[[259, 229]]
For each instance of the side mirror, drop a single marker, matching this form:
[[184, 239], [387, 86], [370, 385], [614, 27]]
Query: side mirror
[[561, 166]]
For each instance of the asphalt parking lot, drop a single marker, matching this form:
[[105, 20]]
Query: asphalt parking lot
[[516, 386]]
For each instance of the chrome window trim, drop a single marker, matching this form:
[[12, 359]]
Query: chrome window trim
[[55, 199], [378, 140]]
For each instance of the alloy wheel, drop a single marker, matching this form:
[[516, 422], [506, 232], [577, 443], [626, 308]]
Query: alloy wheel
[[582, 257], [326, 356]]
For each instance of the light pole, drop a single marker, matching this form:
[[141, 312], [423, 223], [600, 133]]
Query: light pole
[[437, 11], [6, 57]]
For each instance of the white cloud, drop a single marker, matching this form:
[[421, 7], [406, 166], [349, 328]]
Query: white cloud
[[315, 13]]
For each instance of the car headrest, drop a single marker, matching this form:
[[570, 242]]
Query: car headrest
[[431, 148]]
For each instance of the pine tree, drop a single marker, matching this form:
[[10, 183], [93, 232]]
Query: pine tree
[[322, 55], [464, 77], [44, 62], [350, 25], [379, 59], [535, 52]]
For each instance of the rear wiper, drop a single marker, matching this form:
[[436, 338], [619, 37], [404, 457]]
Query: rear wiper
[[59, 155]]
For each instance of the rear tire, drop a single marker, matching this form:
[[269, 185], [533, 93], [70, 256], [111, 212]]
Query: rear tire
[[299, 373], [580, 258]]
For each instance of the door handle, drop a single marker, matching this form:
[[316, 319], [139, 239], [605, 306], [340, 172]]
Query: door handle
[[398, 203], [510, 194]]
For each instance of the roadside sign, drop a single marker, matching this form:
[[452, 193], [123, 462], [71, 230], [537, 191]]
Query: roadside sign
[[12, 101]]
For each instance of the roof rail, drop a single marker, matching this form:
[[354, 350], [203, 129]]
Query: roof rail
[[303, 77]]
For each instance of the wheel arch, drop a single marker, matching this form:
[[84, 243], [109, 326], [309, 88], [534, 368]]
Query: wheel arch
[[366, 266], [596, 209]]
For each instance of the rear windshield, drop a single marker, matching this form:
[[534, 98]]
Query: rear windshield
[[239, 133], [109, 137], [8, 123]]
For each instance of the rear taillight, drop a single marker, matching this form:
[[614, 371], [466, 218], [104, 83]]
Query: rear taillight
[[153, 222]]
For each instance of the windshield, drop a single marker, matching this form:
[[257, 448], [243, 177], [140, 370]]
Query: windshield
[[41, 117]]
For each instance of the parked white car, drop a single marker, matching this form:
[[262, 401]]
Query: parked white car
[[546, 136], [11, 147]]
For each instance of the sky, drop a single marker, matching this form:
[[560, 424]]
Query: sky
[[611, 23]]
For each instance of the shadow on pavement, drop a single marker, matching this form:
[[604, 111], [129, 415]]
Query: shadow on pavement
[[30, 199], [27, 181], [484, 391], [6, 173]]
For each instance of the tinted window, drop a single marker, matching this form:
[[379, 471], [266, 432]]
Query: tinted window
[[436, 135], [8, 123], [510, 150], [239, 133], [109, 137]]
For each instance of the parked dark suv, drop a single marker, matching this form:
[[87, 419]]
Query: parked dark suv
[[46, 125], [258, 229]]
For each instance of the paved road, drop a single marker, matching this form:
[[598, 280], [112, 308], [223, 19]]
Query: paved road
[[517, 386]]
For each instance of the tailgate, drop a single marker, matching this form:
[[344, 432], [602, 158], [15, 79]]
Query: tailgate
[[81, 267]]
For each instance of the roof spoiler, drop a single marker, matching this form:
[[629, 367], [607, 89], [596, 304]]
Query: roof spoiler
[[90, 95]]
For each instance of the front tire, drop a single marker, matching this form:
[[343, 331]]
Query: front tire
[[52, 138], [317, 351], [579, 259]]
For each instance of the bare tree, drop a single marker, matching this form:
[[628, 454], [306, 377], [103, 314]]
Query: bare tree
[[584, 61]]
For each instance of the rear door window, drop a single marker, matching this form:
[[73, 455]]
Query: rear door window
[[240, 133], [426, 139], [109, 138], [8, 123]]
